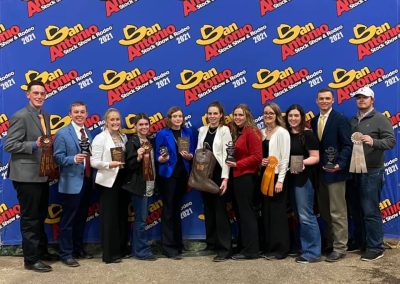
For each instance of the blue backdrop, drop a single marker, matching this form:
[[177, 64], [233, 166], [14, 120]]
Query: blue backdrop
[[148, 55]]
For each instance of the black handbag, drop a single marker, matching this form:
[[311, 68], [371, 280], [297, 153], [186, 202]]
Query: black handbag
[[202, 170]]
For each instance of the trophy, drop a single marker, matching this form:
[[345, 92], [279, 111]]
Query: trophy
[[84, 144], [296, 163], [48, 166], [164, 151], [330, 157], [183, 144], [117, 154], [230, 152]]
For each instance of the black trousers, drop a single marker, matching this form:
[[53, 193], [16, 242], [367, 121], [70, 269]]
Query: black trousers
[[244, 188], [114, 220], [172, 191], [33, 199], [218, 227], [73, 220], [275, 222]]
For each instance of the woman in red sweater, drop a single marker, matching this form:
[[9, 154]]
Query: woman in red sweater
[[248, 154]]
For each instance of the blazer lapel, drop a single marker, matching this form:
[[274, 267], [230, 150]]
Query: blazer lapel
[[72, 132], [328, 123], [36, 120]]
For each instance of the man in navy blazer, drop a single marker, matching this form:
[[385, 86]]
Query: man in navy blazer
[[74, 184], [333, 131]]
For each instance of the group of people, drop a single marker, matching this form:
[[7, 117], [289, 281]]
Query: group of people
[[265, 173]]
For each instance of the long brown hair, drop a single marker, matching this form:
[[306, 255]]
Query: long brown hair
[[249, 122]]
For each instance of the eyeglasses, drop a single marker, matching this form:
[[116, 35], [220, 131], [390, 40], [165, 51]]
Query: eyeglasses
[[269, 113]]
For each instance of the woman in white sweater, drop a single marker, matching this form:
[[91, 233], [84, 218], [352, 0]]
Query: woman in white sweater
[[218, 229], [113, 199], [276, 143]]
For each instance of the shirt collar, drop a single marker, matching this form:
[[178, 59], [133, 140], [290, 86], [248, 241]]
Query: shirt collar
[[326, 115]]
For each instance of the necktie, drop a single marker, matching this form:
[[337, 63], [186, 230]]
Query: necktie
[[321, 124], [43, 124], [87, 159]]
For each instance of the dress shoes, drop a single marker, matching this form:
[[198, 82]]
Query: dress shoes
[[240, 256], [334, 256], [220, 258], [117, 260], [50, 257], [38, 266], [82, 255], [70, 262], [147, 258], [175, 257]]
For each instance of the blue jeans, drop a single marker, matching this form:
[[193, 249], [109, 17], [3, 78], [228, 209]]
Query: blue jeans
[[140, 246], [303, 205], [369, 187]]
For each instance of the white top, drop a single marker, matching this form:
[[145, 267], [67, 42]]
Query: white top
[[222, 137], [279, 146], [101, 158]]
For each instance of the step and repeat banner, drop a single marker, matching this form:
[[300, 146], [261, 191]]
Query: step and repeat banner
[[149, 55]]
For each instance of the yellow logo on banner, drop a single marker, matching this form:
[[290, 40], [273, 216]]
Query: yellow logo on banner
[[33, 75], [342, 78], [55, 35], [210, 34], [54, 211], [266, 78], [2, 28], [190, 78], [362, 33], [287, 33], [134, 34], [57, 122], [113, 79]]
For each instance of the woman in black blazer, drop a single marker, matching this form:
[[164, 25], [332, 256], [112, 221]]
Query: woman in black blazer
[[140, 182]]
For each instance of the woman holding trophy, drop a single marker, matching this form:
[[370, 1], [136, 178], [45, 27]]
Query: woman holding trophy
[[175, 146], [140, 182], [304, 154], [276, 149], [216, 137], [248, 155], [108, 149]]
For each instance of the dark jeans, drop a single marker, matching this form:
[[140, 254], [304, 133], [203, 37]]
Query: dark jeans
[[73, 220], [140, 246], [303, 205], [33, 199], [368, 188]]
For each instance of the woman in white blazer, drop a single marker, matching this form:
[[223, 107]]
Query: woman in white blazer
[[276, 142], [216, 136], [113, 199]]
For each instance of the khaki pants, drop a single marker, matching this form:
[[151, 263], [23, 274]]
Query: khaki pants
[[333, 209]]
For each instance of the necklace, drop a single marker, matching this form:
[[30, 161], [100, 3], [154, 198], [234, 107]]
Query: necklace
[[212, 132], [178, 134]]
